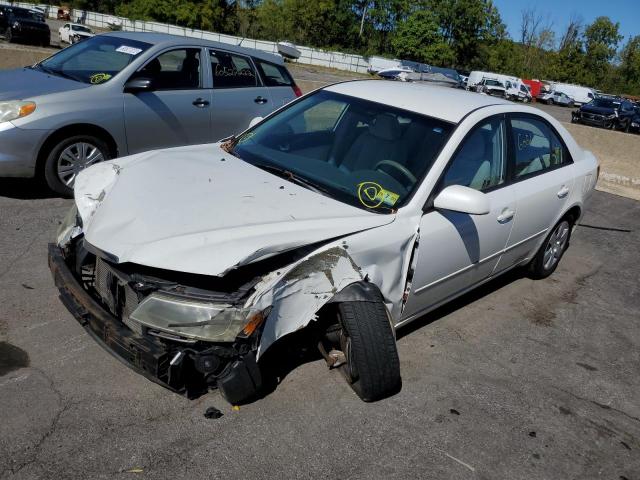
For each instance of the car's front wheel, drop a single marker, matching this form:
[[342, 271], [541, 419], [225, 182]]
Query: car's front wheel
[[8, 35], [546, 260], [367, 339], [69, 157]]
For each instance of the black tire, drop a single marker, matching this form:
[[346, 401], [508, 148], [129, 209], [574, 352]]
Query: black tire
[[372, 365], [536, 269], [51, 162], [8, 35]]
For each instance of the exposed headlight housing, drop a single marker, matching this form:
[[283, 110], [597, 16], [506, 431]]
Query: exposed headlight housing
[[70, 227], [15, 109], [17, 25], [197, 319]]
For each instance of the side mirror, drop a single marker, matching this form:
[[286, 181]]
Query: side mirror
[[463, 199], [140, 84], [255, 121]]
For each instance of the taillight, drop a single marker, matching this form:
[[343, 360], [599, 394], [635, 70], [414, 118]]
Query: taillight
[[296, 90]]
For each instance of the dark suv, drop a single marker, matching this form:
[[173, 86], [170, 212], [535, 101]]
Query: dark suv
[[22, 24], [607, 112]]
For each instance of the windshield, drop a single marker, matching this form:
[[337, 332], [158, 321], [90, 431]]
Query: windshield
[[22, 14], [78, 28], [363, 153], [95, 60], [605, 103]]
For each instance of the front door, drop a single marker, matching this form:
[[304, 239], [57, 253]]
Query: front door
[[177, 112], [458, 250], [238, 95]]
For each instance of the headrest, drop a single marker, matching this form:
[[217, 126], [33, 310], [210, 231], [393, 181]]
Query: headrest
[[386, 127]]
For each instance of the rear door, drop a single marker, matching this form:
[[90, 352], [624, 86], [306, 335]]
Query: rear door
[[238, 93], [543, 177], [177, 112], [279, 81]]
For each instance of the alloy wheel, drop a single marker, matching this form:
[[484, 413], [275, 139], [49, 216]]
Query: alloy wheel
[[556, 245], [75, 158]]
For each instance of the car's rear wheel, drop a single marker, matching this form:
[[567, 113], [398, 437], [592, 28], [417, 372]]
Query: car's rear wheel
[[367, 339], [548, 257], [69, 157]]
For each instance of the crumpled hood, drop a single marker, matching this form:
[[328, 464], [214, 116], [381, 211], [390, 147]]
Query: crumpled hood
[[185, 209], [26, 83]]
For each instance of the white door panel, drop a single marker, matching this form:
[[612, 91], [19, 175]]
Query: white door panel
[[457, 250], [541, 200]]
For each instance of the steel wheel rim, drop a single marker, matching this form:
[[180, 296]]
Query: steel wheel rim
[[75, 158], [555, 245]]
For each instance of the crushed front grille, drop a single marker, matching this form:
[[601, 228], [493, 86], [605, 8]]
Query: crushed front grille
[[116, 294]]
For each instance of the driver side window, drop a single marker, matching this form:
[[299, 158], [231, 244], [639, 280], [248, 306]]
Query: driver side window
[[174, 70], [481, 161]]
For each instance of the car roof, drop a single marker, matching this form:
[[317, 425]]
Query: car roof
[[445, 103], [167, 40]]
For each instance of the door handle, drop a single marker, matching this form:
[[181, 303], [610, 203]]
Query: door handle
[[260, 100], [563, 192], [201, 102], [506, 215]]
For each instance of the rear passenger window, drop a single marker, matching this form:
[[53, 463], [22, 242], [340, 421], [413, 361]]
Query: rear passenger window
[[274, 75], [536, 147], [232, 71], [481, 162]]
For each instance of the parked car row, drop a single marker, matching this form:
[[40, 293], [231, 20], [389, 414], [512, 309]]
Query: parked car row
[[21, 24], [609, 112]]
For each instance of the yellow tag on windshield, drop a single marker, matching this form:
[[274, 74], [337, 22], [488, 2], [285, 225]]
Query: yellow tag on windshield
[[372, 195], [99, 78]]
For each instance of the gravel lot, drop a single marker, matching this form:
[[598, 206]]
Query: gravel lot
[[519, 380]]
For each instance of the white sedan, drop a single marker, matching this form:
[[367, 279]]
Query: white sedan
[[350, 212], [73, 33]]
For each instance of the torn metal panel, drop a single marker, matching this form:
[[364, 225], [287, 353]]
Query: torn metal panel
[[299, 291]]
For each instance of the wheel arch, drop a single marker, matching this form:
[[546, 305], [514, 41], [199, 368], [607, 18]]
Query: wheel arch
[[71, 130]]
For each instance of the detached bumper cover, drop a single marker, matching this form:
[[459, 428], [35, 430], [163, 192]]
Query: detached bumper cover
[[143, 355]]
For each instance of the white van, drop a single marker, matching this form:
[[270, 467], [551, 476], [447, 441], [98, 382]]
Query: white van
[[579, 94], [514, 87]]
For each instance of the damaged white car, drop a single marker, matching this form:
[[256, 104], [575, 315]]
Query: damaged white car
[[351, 211]]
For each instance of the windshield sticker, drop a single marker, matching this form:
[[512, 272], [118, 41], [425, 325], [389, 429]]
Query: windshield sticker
[[372, 195], [97, 78], [128, 50]]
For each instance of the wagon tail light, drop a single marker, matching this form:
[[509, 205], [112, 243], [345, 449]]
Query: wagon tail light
[[296, 90]]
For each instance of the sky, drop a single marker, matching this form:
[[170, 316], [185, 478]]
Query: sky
[[626, 12]]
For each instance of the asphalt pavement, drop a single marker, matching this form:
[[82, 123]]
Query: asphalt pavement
[[521, 379]]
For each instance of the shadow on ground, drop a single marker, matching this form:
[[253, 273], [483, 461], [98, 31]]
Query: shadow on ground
[[25, 189]]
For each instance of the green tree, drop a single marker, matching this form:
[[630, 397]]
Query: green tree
[[601, 40], [630, 65], [467, 25], [419, 38]]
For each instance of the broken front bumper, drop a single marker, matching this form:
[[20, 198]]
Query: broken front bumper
[[147, 355]]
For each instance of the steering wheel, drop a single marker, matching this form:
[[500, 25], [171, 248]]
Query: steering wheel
[[398, 167]]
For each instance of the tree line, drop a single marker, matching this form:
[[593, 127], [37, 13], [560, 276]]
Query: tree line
[[463, 34]]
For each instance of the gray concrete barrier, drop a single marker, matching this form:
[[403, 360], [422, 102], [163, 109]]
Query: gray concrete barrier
[[619, 156]]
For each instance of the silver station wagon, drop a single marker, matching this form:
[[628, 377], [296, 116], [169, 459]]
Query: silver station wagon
[[123, 93]]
